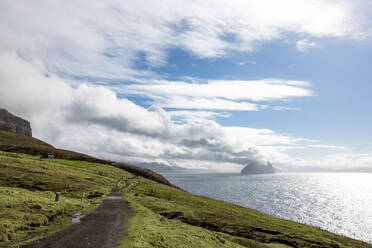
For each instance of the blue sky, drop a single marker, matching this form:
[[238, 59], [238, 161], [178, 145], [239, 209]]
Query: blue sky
[[339, 71], [198, 84]]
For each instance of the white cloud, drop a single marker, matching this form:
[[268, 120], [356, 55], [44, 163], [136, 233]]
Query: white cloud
[[332, 147], [181, 102], [218, 94], [102, 42], [243, 63], [305, 45], [92, 119], [186, 115], [106, 39], [257, 90], [261, 137], [336, 162]]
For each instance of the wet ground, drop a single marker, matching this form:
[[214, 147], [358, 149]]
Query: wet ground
[[102, 228]]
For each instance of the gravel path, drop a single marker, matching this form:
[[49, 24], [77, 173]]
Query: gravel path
[[100, 229]]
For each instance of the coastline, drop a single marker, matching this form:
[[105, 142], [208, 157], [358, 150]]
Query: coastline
[[347, 222]]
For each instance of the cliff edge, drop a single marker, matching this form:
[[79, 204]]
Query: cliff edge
[[14, 123]]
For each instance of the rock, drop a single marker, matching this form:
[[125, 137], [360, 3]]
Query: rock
[[254, 167], [14, 123]]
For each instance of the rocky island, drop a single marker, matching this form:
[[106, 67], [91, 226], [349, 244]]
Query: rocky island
[[254, 167]]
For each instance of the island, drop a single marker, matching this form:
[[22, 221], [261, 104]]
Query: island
[[254, 168]]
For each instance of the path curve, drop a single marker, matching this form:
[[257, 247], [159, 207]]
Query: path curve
[[101, 228]]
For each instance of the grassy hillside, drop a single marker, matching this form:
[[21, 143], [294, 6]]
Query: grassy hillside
[[168, 217], [14, 142], [27, 190], [162, 215]]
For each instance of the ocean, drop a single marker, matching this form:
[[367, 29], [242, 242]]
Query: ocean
[[337, 202]]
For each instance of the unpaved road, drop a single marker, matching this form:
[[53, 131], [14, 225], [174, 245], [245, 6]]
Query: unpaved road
[[100, 229]]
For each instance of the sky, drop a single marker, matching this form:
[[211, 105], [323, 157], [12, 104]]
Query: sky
[[199, 84]]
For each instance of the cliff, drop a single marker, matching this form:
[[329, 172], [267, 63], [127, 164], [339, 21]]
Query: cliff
[[254, 167], [14, 123]]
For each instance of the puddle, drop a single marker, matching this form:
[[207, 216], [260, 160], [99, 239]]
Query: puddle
[[76, 218]]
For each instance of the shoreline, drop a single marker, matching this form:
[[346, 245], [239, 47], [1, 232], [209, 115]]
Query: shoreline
[[269, 211]]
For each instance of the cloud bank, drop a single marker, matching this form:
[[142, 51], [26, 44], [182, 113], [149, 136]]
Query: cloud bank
[[218, 94], [94, 120], [108, 39], [71, 67]]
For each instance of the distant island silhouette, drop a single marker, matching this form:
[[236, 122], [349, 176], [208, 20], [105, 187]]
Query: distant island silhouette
[[254, 167]]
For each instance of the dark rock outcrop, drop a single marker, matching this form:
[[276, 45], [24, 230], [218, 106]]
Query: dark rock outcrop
[[14, 123], [254, 167]]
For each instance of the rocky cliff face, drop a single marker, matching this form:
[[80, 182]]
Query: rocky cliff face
[[14, 123], [254, 167]]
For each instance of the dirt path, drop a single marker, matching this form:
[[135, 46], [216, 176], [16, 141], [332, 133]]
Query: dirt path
[[101, 228]]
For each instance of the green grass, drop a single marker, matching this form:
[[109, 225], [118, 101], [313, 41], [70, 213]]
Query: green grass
[[148, 229], [162, 215], [19, 143], [27, 190], [24, 212]]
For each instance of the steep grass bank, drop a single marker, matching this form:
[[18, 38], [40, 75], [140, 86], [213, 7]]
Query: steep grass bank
[[19, 143], [162, 215], [168, 217]]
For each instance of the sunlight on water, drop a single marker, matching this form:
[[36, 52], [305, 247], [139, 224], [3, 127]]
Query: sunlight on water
[[338, 202]]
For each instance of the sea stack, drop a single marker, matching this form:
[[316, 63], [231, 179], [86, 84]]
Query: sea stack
[[254, 168]]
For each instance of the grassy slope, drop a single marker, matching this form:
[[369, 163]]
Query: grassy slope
[[175, 218], [163, 216], [27, 190], [14, 142]]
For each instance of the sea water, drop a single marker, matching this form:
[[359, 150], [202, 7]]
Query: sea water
[[337, 202]]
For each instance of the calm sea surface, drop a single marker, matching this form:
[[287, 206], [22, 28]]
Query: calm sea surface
[[338, 202]]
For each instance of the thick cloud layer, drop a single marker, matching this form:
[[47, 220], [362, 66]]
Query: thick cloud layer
[[94, 120], [107, 39], [63, 64]]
